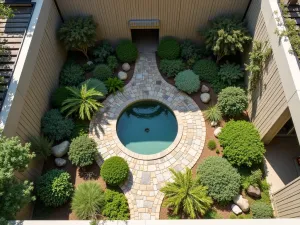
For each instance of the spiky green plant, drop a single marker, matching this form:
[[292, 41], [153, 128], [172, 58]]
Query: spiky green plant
[[82, 101], [114, 84], [41, 146], [213, 114], [185, 195]]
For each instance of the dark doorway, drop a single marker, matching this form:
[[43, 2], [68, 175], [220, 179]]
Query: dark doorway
[[145, 39]]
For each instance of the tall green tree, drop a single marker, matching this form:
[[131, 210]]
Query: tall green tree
[[185, 195]]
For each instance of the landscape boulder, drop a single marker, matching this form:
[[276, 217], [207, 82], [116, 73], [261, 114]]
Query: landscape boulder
[[217, 131], [253, 191], [205, 97], [204, 89], [213, 123], [242, 203], [122, 75], [60, 162], [235, 209], [126, 67], [61, 149]]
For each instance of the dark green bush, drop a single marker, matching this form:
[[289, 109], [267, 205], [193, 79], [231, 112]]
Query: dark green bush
[[206, 69], [55, 126], [102, 52], [71, 75], [171, 67], [102, 72], [81, 128], [88, 67], [82, 151], [112, 62], [59, 96], [242, 144], [261, 210], [223, 181], [41, 146], [232, 101], [127, 51], [116, 206], [114, 170], [211, 144], [230, 73], [188, 50], [187, 81], [98, 85], [54, 188], [168, 48]]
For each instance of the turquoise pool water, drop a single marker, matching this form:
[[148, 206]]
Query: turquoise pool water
[[147, 127]]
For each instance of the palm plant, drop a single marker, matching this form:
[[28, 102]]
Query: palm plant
[[213, 114], [185, 195], [82, 101]]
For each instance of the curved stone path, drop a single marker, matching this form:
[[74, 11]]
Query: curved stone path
[[147, 176]]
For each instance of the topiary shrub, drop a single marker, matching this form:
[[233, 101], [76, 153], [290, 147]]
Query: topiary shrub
[[82, 151], [98, 85], [127, 51], [102, 72], [211, 145], [88, 201], [261, 210], [59, 96], [114, 170], [242, 144], [171, 67], [71, 75], [168, 48], [54, 188], [223, 181], [103, 51], [206, 69], [55, 126], [116, 206], [232, 101], [112, 62], [187, 81]]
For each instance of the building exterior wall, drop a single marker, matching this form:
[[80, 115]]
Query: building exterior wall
[[179, 18]]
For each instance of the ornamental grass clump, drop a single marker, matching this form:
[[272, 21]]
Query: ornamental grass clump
[[187, 81], [168, 48], [127, 51], [213, 114], [206, 69], [171, 67]]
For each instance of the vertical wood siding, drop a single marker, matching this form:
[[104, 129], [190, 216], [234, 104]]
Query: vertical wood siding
[[180, 18]]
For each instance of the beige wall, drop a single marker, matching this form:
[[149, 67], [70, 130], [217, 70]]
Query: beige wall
[[180, 18]]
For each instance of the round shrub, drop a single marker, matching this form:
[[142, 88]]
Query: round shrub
[[261, 210], [54, 188], [55, 126], [114, 170], [88, 200], [116, 206], [127, 51], [232, 101], [187, 81], [97, 85], [171, 67], [242, 144], [59, 96], [82, 151], [206, 69], [211, 144], [71, 75], [102, 72], [168, 48], [223, 181]]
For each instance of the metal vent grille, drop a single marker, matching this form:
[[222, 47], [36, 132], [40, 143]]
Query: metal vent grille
[[144, 24]]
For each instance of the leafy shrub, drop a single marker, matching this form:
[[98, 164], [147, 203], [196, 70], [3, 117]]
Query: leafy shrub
[[242, 144], [88, 67], [253, 179], [223, 181], [232, 101], [82, 151], [112, 62], [261, 210], [212, 214], [55, 126], [168, 48], [81, 128], [127, 51], [88, 200], [54, 188], [78, 33], [187, 81], [114, 170], [188, 50], [230, 73], [114, 85], [102, 72], [41, 146], [116, 206], [171, 67], [102, 52], [211, 145], [206, 69], [71, 75], [59, 96], [98, 85], [213, 114]]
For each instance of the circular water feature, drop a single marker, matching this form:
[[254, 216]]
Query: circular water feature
[[147, 127]]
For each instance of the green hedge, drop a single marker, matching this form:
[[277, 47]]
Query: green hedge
[[206, 69], [168, 48], [127, 51]]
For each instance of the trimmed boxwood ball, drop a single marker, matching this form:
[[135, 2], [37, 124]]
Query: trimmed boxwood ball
[[54, 188], [187, 81], [71, 75], [126, 51], [261, 210], [59, 96], [168, 48], [206, 69], [114, 170], [223, 181], [211, 145], [242, 144], [82, 151], [102, 72]]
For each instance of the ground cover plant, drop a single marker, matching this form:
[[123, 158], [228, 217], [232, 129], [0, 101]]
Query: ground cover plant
[[168, 48], [187, 81], [261, 210]]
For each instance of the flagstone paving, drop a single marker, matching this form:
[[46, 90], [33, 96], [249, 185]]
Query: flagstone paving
[[149, 173]]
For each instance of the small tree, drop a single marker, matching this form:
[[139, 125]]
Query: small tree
[[78, 33]]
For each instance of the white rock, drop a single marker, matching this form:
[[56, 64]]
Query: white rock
[[122, 75], [60, 162], [126, 67], [217, 131], [204, 89], [205, 97], [241, 202], [90, 63], [235, 209], [61, 149], [213, 123]]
